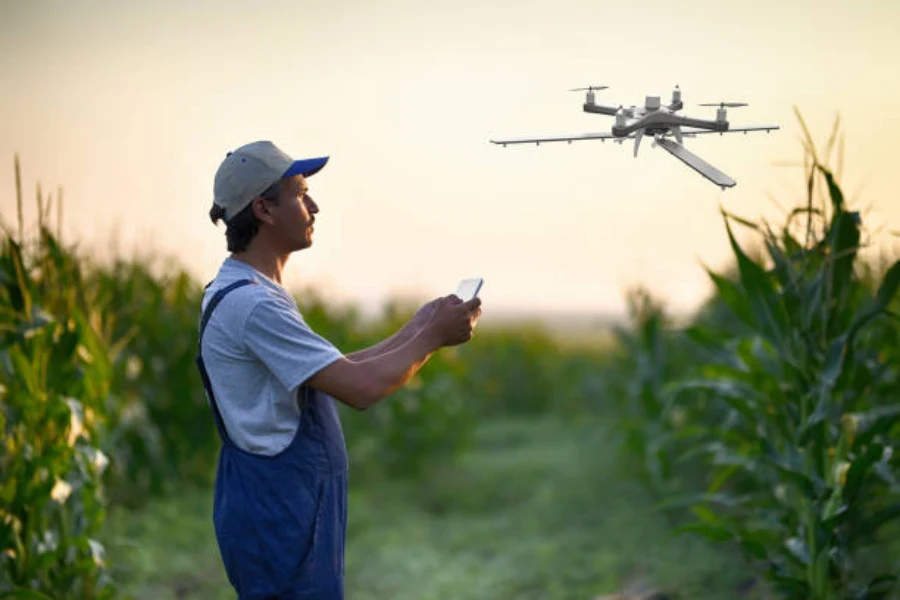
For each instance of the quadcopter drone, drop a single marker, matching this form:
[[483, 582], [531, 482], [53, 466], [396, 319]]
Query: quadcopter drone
[[660, 122]]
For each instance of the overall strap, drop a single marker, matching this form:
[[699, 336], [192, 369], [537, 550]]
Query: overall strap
[[220, 425]]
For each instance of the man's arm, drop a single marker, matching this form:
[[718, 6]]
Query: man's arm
[[362, 383], [400, 337], [409, 330]]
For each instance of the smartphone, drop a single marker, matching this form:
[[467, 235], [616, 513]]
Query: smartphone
[[469, 288]]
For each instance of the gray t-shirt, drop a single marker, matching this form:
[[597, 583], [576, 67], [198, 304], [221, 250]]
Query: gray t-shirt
[[258, 350]]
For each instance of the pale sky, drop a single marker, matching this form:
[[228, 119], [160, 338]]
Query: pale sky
[[130, 106]]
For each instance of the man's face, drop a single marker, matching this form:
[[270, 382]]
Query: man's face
[[294, 214]]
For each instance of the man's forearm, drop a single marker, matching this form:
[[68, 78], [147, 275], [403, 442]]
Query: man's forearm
[[400, 337], [392, 369]]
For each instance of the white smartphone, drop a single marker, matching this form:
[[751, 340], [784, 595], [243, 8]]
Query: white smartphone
[[469, 288]]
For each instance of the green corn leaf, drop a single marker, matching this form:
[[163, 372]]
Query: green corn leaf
[[866, 425], [24, 370], [871, 524], [706, 336], [19, 290], [745, 222], [822, 411], [738, 395], [753, 548], [856, 474], [820, 574], [734, 298], [716, 533], [889, 285], [783, 270], [812, 301], [879, 588], [834, 191], [705, 514], [811, 488], [797, 550], [23, 593], [721, 478], [791, 587], [761, 295], [841, 348], [844, 242], [722, 456]]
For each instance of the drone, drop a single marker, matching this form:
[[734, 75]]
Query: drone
[[660, 122]]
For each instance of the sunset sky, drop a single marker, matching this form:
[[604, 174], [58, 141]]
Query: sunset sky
[[130, 106]]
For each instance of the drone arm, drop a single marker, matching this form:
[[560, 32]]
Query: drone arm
[[601, 109], [733, 129], [556, 138]]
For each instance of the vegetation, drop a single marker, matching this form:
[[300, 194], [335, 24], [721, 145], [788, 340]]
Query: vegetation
[[765, 425]]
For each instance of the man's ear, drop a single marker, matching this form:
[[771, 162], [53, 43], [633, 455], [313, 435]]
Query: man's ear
[[261, 209]]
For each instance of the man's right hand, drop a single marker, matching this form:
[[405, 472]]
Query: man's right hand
[[454, 320]]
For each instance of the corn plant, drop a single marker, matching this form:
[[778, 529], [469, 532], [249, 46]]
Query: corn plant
[[54, 374], [803, 472]]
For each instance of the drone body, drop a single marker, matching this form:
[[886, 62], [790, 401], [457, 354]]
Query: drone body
[[661, 123]]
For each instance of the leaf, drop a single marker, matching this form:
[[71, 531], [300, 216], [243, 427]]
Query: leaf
[[834, 190], [716, 533], [820, 413], [689, 499], [24, 594], [844, 242], [871, 524], [791, 587], [734, 298], [761, 295], [840, 349], [879, 588], [745, 222], [738, 395], [834, 509], [820, 573], [706, 336], [889, 285], [797, 550], [866, 425], [811, 488], [857, 472]]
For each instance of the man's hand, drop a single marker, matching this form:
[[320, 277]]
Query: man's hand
[[423, 315], [453, 320]]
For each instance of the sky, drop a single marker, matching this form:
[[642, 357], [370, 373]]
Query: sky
[[131, 106]]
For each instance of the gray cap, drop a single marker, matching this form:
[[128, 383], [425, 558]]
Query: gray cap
[[251, 169]]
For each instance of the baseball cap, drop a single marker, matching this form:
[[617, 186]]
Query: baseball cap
[[248, 171]]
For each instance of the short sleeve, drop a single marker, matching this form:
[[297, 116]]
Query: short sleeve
[[288, 347]]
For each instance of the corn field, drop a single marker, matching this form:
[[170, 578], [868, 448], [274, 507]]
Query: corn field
[[768, 423]]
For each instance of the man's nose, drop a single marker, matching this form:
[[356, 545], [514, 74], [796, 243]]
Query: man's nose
[[311, 205]]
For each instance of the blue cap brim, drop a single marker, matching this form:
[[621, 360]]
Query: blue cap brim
[[306, 167]]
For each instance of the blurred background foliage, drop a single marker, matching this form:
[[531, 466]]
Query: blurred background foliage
[[765, 423]]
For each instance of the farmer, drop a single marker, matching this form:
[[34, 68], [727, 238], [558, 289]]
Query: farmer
[[280, 503]]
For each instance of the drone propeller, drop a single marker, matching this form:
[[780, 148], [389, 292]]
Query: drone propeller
[[725, 104], [590, 88]]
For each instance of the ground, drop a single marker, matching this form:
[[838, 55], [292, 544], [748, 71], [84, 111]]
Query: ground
[[539, 508]]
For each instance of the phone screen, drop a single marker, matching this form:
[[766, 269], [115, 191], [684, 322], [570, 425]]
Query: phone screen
[[468, 288]]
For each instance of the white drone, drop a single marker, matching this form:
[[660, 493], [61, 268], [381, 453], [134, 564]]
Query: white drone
[[659, 121]]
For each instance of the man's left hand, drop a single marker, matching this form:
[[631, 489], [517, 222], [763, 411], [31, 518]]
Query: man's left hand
[[423, 315]]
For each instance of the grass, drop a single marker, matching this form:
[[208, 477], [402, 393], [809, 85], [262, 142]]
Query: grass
[[538, 509]]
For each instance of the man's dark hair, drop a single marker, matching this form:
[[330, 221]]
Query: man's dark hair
[[243, 227]]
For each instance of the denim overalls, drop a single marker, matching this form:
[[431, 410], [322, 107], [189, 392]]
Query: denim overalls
[[281, 520]]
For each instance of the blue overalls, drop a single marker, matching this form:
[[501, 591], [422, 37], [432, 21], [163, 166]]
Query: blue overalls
[[281, 520]]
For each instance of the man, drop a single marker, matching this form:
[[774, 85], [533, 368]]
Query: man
[[280, 504]]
